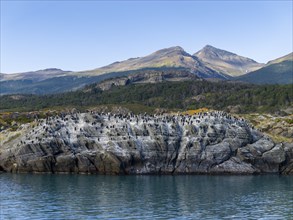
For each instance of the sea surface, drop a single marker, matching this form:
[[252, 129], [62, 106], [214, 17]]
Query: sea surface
[[47, 196]]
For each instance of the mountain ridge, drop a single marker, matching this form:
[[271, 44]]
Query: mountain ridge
[[172, 57], [209, 63]]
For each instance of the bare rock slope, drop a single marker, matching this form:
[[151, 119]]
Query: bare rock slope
[[173, 57], [226, 62], [210, 143]]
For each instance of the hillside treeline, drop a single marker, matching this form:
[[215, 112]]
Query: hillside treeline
[[168, 95]]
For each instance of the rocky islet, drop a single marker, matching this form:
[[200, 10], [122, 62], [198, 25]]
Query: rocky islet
[[106, 143]]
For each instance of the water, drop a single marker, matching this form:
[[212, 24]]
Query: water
[[28, 196]]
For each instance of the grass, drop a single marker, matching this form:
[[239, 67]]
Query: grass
[[269, 124]]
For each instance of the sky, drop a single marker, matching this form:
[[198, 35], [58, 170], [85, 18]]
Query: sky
[[84, 35]]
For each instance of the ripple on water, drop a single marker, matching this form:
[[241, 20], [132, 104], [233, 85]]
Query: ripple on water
[[25, 196]]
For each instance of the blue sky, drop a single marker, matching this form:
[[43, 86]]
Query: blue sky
[[83, 35]]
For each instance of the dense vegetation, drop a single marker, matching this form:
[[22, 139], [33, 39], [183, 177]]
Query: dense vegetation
[[168, 95]]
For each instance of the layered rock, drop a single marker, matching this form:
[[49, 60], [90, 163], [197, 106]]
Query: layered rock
[[210, 143]]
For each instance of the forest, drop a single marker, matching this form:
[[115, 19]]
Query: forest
[[184, 95]]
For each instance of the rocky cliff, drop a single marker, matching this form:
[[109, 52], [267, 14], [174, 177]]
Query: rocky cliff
[[209, 143]]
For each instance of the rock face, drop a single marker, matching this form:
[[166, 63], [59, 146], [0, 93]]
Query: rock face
[[210, 143], [148, 76]]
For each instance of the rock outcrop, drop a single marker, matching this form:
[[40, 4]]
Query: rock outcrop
[[209, 143], [148, 76]]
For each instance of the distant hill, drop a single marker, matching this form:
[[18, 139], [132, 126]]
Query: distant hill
[[278, 71], [288, 57], [72, 82], [226, 62], [34, 76]]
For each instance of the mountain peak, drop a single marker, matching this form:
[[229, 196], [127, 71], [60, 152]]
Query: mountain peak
[[175, 49], [226, 62], [172, 57], [169, 52], [209, 47], [210, 51]]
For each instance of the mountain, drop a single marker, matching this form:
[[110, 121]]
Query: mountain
[[34, 76], [173, 57], [278, 71], [55, 80], [37, 82], [226, 62], [209, 63]]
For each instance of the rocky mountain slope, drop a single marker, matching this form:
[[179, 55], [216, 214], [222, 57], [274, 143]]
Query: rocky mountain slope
[[172, 57], [278, 71], [226, 62], [208, 143]]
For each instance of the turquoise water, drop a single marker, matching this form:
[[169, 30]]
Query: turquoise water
[[28, 196]]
